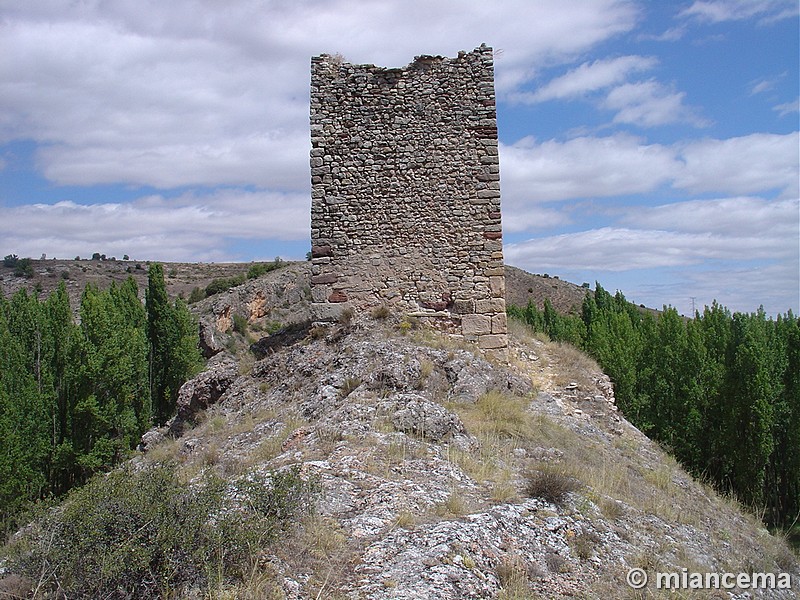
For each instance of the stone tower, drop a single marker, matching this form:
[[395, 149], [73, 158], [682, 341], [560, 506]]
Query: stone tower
[[406, 192]]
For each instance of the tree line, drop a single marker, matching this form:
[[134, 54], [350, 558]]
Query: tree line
[[77, 394], [721, 391]]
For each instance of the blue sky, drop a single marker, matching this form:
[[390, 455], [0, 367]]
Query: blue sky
[[650, 146]]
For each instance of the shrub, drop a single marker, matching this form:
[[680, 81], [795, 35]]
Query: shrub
[[258, 269], [380, 313], [239, 324], [222, 284], [142, 533], [10, 260], [196, 295], [346, 316], [550, 484], [23, 268]]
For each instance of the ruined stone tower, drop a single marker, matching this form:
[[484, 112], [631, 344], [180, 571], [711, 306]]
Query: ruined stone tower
[[406, 192]]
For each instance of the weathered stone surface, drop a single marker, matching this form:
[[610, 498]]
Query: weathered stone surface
[[209, 346], [320, 251], [204, 390], [424, 418], [497, 285], [337, 296], [493, 305], [325, 278]]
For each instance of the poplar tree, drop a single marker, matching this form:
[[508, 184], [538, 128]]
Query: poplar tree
[[172, 338]]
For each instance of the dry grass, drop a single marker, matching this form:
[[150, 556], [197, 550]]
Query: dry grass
[[454, 506], [512, 572], [573, 365], [318, 546], [496, 414]]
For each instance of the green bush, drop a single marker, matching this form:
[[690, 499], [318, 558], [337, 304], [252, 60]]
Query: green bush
[[222, 284], [143, 533], [258, 269], [239, 324], [196, 295], [10, 260], [23, 268]]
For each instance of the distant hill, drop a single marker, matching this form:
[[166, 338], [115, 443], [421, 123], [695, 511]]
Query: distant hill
[[181, 278], [523, 287]]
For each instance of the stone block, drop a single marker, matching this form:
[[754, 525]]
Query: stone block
[[492, 305], [500, 323], [497, 286], [464, 307], [319, 293], [327, 312], [493, 341], [324, 278], [476, 324]]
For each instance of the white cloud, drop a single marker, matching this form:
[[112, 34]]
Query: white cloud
[[623, 249], [735, 217], [716, 11], [749, 164], [672, 34], [589, 77], [729, 249], [584, 167], [185, 228], [650, 104], [621, 165], [789, 108]]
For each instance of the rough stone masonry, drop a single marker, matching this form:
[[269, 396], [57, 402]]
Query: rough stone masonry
[[406, 192]]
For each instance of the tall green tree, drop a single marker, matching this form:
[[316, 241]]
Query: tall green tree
[[172, 336]]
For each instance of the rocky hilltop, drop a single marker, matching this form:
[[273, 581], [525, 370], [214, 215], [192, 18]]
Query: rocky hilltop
[[444, 474]]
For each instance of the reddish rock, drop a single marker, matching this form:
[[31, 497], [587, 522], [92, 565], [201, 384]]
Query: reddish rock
[[320, 251], [337, 296], [493, 235]]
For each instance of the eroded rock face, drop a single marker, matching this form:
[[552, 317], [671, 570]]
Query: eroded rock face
[[202, 391], [209, 346], [418, 416]]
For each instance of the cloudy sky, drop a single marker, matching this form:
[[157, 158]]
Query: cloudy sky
[[650, 146]]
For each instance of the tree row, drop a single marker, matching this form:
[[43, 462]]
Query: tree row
[[721, 391], [77, 394]]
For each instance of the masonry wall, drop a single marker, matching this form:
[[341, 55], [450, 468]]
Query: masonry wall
[[406, 191]]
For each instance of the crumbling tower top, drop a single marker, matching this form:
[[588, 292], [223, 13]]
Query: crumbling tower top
[[406, 191]]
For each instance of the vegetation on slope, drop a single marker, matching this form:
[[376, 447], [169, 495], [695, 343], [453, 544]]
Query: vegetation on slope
[[721, 391]]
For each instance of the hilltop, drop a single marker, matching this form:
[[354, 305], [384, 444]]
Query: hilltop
[[437, 473]]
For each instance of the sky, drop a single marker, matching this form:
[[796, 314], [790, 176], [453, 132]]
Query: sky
[[651, 146]]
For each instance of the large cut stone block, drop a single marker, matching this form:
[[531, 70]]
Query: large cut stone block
[[476, 324], [493, 341]]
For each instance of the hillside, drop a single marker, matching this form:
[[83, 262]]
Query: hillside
[[523, 287], [438, 474], [181, 278]]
